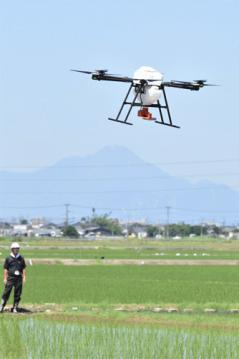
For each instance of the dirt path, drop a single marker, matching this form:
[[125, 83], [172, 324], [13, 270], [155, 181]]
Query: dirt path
[[162, 262], [131, 316]]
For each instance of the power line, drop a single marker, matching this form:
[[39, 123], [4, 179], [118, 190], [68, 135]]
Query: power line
[[31, 207], [215, 188], [124, 164], [95, 179], [204, 210], [118, 209]]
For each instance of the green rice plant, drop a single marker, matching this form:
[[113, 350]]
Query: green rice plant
[[35, 338]]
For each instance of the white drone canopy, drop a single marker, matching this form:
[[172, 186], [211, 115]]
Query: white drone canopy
[[152, 93], [148, 73]]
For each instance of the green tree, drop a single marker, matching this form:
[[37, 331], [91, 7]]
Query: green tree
[[23, 221], [108, 224], [71, 232], [152, 230], [182, 230], [196, 229]]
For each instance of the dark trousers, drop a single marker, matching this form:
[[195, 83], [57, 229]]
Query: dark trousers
[[15, 282]]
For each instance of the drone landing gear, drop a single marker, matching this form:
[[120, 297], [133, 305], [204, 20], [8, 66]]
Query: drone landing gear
[[124, 122], [164, 107], [125, 102], [144, 112]]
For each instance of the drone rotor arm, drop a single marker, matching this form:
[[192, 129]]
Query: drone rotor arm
[[193, 86], [110, 77]]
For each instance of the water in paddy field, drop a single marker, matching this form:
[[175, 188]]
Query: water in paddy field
[[43, 338]]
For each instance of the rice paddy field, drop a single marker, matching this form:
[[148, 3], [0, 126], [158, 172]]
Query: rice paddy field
[[183, 286], [120, 310]]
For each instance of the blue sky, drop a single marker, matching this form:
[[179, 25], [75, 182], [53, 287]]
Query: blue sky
[[48, 113]]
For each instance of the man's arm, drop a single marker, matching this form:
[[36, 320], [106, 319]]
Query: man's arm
[[5, 274]]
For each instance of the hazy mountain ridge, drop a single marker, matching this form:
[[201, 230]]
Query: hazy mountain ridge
[[113, 180]]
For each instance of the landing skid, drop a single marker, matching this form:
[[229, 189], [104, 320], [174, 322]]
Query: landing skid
[[166, 124], [124, 122], [139, 89]]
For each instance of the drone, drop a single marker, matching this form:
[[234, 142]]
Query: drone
[[146, 90]]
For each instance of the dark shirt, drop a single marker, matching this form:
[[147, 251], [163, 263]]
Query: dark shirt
[[14, 266]]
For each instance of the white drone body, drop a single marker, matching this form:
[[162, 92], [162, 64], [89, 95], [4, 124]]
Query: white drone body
[[145, 89], [152, 92]]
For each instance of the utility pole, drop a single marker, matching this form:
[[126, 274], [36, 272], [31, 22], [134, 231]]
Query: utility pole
[[167, 224], [66, 214]]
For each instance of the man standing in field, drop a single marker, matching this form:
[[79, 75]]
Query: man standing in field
[[14, 275]]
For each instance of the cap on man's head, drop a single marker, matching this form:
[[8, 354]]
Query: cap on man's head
[[15, 245]]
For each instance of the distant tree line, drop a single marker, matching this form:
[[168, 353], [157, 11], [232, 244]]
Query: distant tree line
[[104, 224]]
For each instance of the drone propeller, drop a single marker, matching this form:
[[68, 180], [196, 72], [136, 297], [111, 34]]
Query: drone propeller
[[83, 72], [203, 83], [91, 72], [101, 71], [200, 81]]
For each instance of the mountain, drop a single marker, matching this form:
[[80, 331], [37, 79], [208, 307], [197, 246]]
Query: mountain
[[113, 180]]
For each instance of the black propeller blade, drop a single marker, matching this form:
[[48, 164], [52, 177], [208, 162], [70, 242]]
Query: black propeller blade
[[200, 81], [91, 72], [203, 83], [83, 72]]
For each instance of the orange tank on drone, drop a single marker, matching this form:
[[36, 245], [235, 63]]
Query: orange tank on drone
[[145, 114]]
